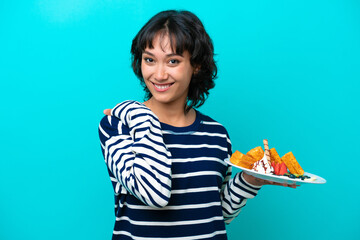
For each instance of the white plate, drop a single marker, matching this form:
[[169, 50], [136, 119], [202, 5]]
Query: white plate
[[281, 179]]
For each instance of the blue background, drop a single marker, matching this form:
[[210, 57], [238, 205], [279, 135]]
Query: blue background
[[289, 71]]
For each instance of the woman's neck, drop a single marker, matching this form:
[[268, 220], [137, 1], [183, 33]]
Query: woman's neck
[[172, 114]]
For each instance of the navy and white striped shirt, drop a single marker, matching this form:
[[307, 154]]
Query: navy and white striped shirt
[[170, 182]]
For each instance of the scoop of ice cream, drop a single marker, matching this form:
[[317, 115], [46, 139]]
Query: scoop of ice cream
[[263, 166]]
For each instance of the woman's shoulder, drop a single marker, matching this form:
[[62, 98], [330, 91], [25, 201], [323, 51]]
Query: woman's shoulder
[[210, 122], [207, 118]]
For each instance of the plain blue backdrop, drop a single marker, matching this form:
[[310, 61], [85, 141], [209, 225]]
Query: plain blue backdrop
[[289, 71]]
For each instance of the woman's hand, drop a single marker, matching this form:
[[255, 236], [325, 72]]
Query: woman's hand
[[260, 182], [107, 112]]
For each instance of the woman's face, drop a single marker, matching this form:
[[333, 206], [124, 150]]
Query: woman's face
[[166, 74]]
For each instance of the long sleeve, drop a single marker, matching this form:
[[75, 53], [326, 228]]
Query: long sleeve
[[135, 153], [234, 195], [235, 191]]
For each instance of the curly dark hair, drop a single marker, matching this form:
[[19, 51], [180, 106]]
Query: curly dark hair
[[187, 33]]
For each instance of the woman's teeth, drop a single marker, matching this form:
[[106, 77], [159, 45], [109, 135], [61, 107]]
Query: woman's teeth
[[162, 87]]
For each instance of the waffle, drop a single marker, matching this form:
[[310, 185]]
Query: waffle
[[256, 153], [291, 163], [242, 160], [274, 156]]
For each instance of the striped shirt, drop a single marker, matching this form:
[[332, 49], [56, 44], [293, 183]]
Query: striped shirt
[[170, 182]]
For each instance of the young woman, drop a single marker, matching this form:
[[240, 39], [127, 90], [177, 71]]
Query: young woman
[[166, 159]]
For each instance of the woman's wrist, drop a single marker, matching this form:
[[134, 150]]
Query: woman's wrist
[[252, 180]]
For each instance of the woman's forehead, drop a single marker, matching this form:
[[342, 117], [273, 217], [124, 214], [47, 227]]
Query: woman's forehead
[[165, 41]]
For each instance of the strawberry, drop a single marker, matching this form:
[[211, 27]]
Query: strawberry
[[277, 168], [282, 169]]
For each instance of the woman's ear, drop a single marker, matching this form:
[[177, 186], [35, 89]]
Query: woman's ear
[[196, 69]]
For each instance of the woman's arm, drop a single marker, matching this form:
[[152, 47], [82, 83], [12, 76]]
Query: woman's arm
[[237, 190], [135, 152], [235, 193]]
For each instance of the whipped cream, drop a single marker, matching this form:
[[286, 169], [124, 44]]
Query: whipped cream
[[263, 166]]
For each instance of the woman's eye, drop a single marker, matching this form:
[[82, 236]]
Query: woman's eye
[[149, 60], [173, 61]]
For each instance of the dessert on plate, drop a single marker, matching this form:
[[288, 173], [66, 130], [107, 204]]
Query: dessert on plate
[[269, 162]]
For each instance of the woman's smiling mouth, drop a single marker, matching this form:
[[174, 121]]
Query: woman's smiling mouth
[[162, 87]]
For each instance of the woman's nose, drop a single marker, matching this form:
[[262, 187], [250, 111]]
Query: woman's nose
[[161, 73]]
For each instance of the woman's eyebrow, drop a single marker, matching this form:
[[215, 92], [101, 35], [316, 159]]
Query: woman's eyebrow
[[148, 53], [174, 54], [167, 55]]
